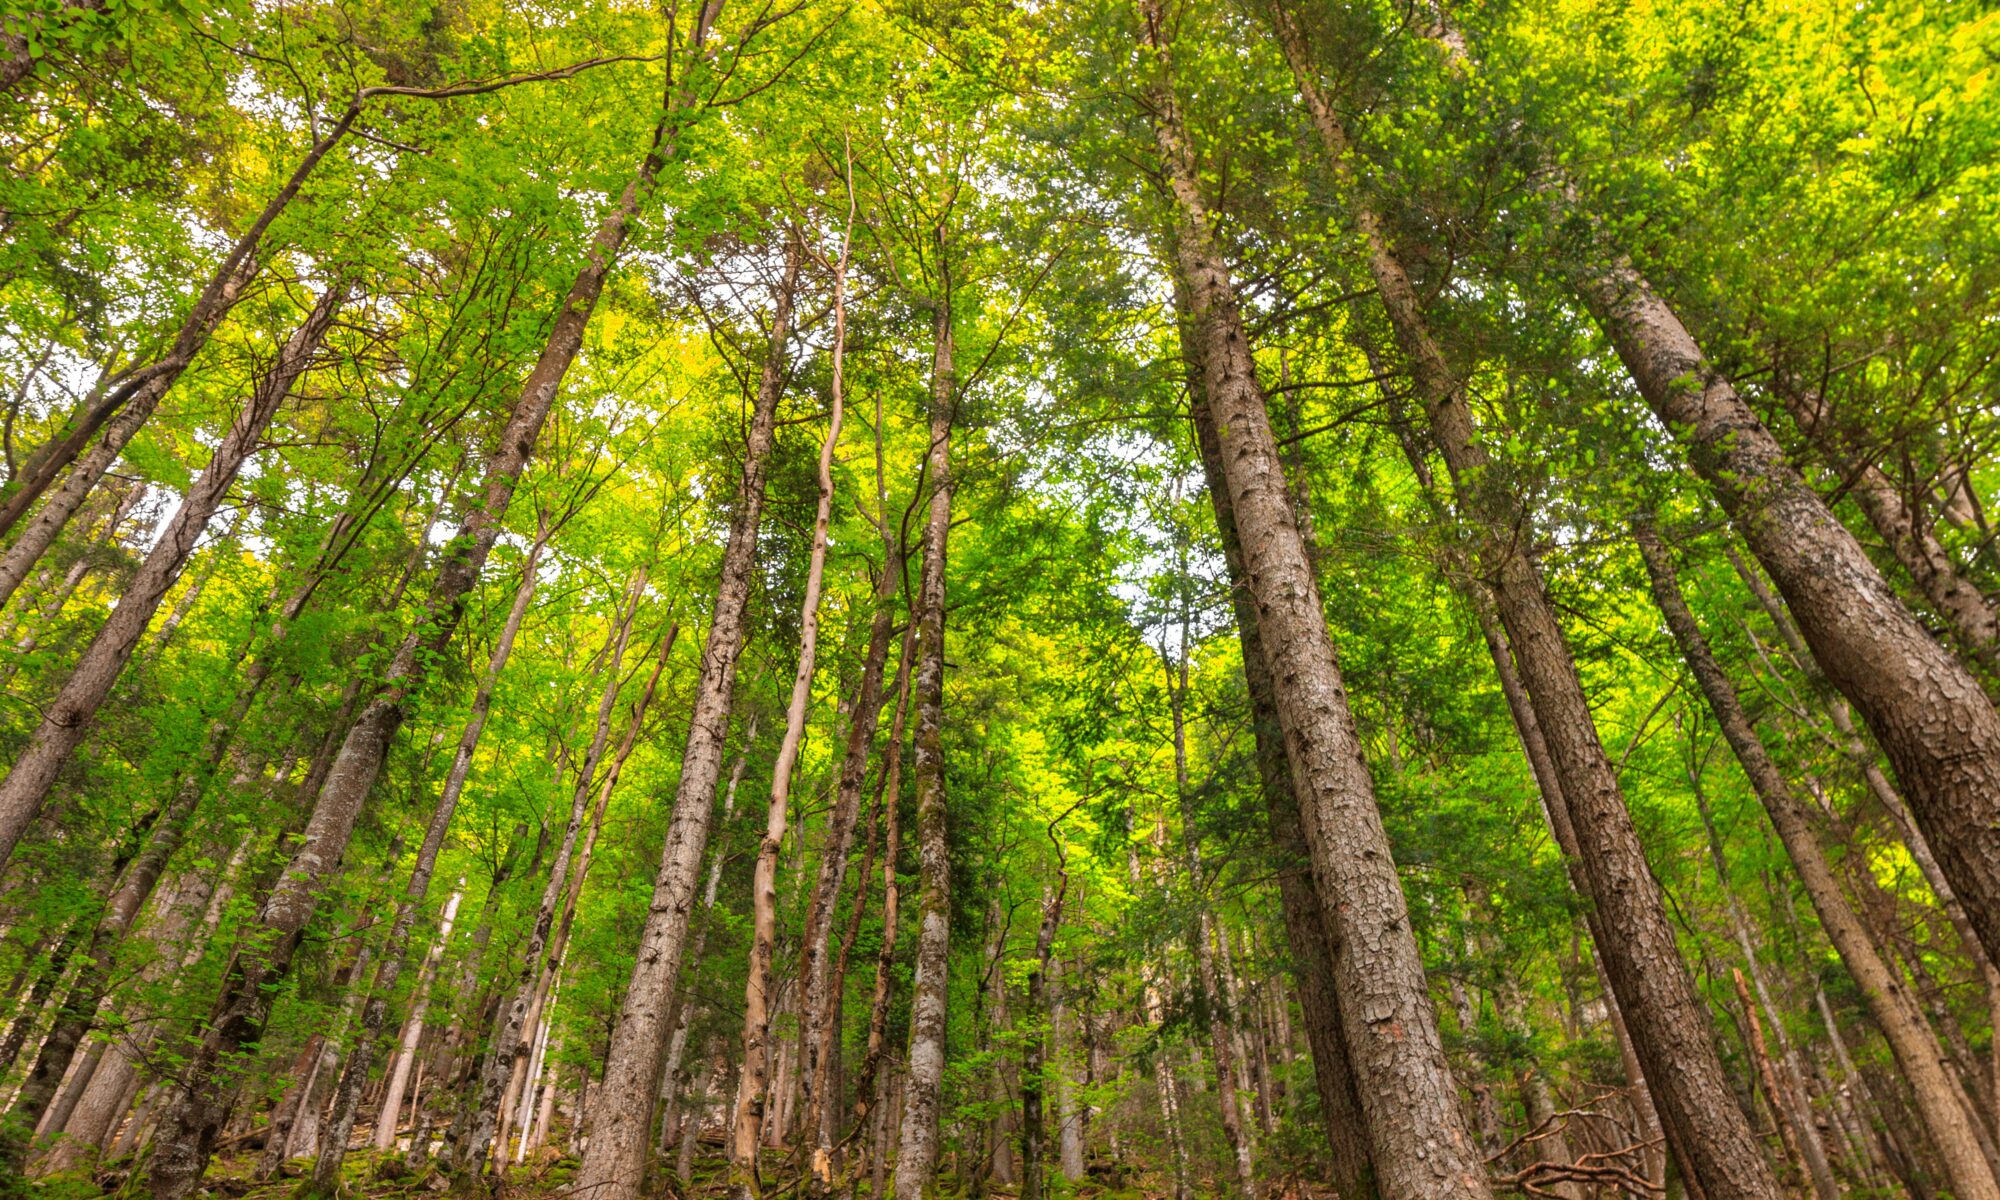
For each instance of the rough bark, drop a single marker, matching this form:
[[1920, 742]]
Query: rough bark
[[614, 1162], [68, 717], [1418, 1141], [1642, 958], [1939, 1101], [1298, 894], [917, 1142], [1927, 711]]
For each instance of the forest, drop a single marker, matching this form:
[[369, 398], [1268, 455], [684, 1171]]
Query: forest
[[1118, 599]]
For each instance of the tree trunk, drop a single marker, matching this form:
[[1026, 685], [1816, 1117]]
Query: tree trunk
[[917, 1143], [1418, 1141], [1940, 1103], [749, 1125], [188, 1137], [1298, 894], [68, 717], [1034, 1047], [614, 1163], [506, 1070], [1642, 958], [389, 1112], [1928, 713]]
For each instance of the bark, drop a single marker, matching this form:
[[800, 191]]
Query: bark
[[68, 717], [749, 1125], [1298, 894], [1911, 541], [1418, 1141], [917, 1141], [1927, 711], [188, 1135], [614, 1163], [1939, 1101], [1642, 958]]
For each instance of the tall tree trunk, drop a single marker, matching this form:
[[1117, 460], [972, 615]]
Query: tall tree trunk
[[614, 1162], [1298, 894], [187, 1139], [1706, 1130], [1418, 1141], [1940, 1103], [917, 1142], [749, 1125], [1928, 713], [68, 717]]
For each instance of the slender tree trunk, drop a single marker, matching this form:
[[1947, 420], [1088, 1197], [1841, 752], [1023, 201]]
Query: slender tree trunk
[[1071, 1149], [188, 1137], [1965, 609], [68, 717], [749, 1125], [917, 1148], [1418, 1140], [1940, 1103], [1791, 1104], [389, 1112], [1034, 1047], [614, 1163], [821, 973], [1209, 992], [506, 1071], [888, 797]]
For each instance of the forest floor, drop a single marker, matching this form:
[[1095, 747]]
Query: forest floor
[[367, 1177]]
